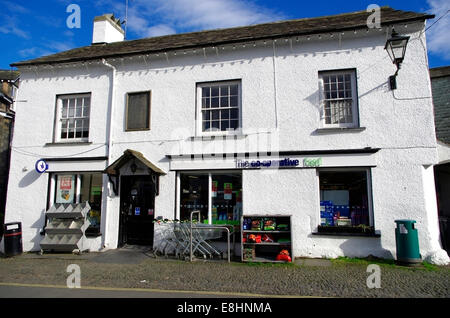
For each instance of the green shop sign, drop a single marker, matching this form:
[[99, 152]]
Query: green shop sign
[[312, 162]]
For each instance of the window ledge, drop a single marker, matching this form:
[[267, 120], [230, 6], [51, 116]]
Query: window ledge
[[96, 234], [339, 130], [75, 143], [376, 234]]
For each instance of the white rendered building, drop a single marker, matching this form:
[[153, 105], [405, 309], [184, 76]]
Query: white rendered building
[[270, 119]]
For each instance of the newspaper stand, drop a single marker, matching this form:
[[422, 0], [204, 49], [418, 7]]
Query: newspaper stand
[[65, 228]]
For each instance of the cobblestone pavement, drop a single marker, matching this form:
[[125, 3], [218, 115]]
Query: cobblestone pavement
[[319, 278]]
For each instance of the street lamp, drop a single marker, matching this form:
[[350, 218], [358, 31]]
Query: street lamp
[[396, 48]]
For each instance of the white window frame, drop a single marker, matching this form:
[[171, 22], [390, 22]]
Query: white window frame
[[355, 108], [199, 115], [58, 118], [368, 172]]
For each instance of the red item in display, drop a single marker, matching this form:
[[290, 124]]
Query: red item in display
[[267, 238], [254, 238], [284, 256]]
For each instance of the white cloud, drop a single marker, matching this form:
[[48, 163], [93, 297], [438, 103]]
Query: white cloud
[[159, 17], [15, 8], [212, 14], [49, 47], [159, 30], [9, 26], [438, 39]]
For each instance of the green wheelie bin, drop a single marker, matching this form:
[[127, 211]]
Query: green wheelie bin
[[407, 242]]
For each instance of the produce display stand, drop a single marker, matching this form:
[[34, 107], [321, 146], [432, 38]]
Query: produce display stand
[[65, 228], [264, 243]]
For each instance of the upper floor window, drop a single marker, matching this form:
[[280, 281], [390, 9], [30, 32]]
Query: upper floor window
[[220, 107], [138, 111], [72, 122], [338, 97]]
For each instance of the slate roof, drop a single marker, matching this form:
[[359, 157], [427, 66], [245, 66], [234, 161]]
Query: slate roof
[[439, 71], [7, 75], [298, 27], [440, 86]]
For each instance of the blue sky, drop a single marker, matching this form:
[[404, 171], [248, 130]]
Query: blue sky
[[34, 28]]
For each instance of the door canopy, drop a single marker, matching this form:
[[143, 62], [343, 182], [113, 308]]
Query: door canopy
[[114, 169]]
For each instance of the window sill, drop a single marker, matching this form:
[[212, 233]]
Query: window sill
[[346, 234], [75, 143], [345, 231], [339, 130], [92, 234], [137, 129]]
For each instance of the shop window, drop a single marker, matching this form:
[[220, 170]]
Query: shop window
[[220, 107], [225, 195], [194, 195], [338, 98], [345, 201], [138, 111], [82, 187], [73, 112], [91, 191]]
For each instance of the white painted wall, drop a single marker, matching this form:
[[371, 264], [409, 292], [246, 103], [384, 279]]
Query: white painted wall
[[396, 122]]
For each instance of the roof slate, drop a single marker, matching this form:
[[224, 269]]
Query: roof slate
[[440, 71], [7, 75], [298, 27]]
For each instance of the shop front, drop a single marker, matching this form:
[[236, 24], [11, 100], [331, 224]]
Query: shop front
[[325, 193]]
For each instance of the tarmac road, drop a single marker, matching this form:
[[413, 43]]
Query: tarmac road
[[8, 290]]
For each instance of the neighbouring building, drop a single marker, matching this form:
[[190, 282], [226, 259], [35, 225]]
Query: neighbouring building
[[440, 85], [272, 119], [9, 81]]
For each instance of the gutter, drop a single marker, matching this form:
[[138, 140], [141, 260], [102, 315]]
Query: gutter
[[110, 132]]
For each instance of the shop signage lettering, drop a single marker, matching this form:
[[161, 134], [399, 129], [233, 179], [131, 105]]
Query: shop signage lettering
[[283, 163], [286, 162], [310, 162]]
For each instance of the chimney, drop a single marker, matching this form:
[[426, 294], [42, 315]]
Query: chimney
[[107, 29]]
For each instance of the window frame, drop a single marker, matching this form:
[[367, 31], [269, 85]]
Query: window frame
[[369, 189], [58, 118], [149, 95], [355, 99], [199, 115]]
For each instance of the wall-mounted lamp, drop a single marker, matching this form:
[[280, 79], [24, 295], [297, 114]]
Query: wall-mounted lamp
[[133, 167], [396, 48]]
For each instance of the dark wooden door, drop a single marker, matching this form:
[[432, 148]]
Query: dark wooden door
[[137, 198]]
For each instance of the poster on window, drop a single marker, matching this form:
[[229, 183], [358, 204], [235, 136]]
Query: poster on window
[[65, 189], [215, 185], [227, 191]]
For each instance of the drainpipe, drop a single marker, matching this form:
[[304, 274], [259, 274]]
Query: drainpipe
[[110, 132]]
